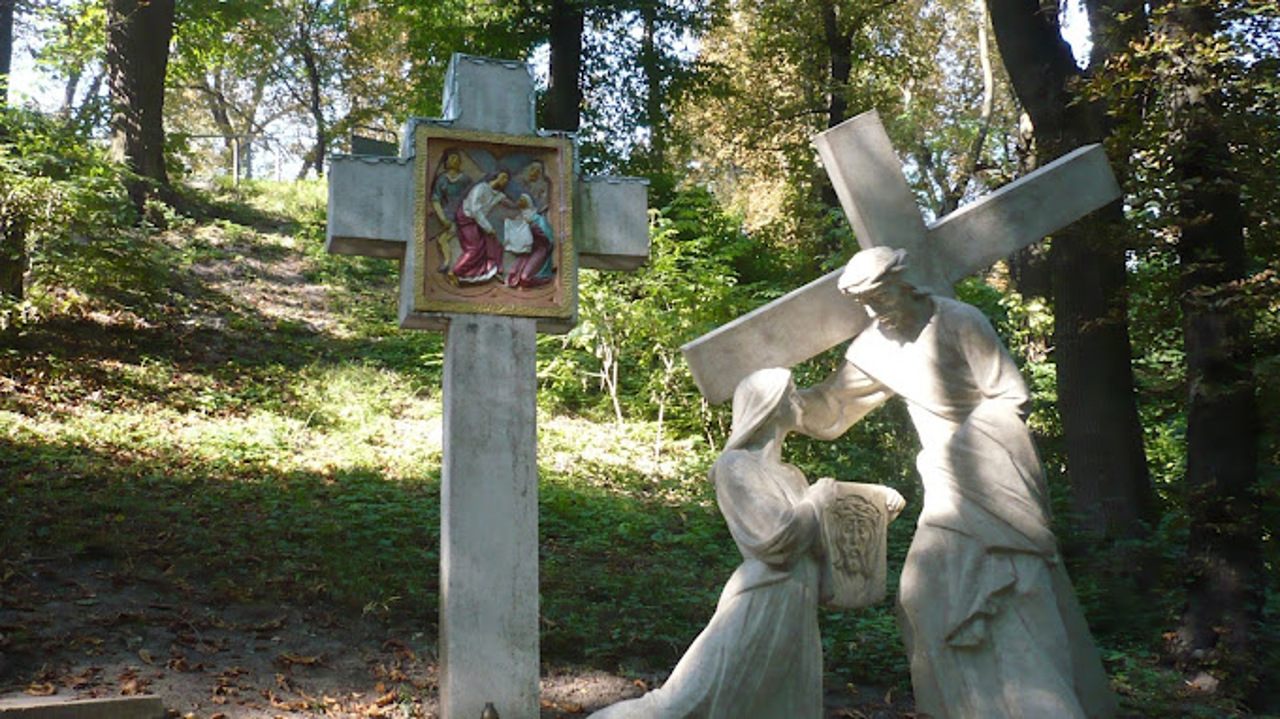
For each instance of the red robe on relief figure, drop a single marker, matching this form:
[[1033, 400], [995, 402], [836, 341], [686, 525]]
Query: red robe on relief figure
[[481, 256]]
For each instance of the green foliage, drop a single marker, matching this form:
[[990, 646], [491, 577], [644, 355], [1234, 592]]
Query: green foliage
[[71, 50], [612, 518], [638, 65], [59, 189], [1148, 689], [632, 326]]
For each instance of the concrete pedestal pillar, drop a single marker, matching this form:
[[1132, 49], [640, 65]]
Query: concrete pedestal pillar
[[489, 519]]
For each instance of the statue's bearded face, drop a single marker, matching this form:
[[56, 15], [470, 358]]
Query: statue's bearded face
[[889, 302]]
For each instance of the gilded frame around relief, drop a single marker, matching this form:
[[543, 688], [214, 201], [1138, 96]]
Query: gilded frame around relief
[[493, 229]]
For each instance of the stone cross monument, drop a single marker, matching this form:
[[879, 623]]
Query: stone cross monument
[[490, 222], [878, 202]]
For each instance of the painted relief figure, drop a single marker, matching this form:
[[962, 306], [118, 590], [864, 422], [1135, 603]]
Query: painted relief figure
[[534, 265], [533, 178], [481, 256], [447, 191], [493, 228]]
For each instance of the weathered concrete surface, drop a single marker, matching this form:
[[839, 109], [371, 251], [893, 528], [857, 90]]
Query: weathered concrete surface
[[370, 206], [489, 519], [68, 707], [489, 96], [613, 232]]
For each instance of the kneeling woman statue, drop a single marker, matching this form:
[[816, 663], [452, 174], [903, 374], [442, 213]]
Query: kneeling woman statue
[[761, 654]]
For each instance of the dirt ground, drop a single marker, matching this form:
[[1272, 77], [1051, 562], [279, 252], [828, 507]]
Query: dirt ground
[[90, 629]]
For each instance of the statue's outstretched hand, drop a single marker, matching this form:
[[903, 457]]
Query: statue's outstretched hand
[[823, 491], [894, 502]]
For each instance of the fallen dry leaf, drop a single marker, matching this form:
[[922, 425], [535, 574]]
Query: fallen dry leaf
[[44, 689], [83, 679], [277, 703], [298, 659], [269, 626]]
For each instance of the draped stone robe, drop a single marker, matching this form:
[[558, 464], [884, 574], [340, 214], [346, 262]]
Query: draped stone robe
[[760, 656], [992, 625]]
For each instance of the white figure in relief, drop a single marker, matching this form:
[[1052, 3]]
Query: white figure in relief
[[481, 256]]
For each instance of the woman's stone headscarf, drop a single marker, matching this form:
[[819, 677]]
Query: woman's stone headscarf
[[754, 400]]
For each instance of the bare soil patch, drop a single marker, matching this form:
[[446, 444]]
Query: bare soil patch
[[91, 628]]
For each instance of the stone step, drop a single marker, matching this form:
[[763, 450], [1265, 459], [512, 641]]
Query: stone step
[[71, 707]]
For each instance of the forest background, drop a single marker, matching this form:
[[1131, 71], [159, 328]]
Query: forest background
[[1149, 332]]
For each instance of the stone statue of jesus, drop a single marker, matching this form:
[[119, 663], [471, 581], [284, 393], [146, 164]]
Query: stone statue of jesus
[[991, 622]]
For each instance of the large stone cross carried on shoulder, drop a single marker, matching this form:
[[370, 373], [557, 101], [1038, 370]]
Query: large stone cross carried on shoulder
[[872, 189], [490, 221]]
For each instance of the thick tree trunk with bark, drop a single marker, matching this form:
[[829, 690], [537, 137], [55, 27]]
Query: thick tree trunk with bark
[[138, 35], [1224, 572], [1105, 455], [567, 22]]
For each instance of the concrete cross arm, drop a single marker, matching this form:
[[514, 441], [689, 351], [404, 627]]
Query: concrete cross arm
[[370, 206], [369, 194], [869, 182], [613, 223], [781, 333], [1046, 200]]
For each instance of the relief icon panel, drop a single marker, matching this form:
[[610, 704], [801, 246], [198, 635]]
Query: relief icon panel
[[494, 224]]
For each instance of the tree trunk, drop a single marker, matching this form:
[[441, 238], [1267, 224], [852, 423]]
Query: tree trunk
[[13, 231], [567, 22], [13, 256], [1103, 436], [840, 59], [839, 47], [69, 90], [138, 35], [650, 64], [6, 48], [1225, 569], [315, 104]]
